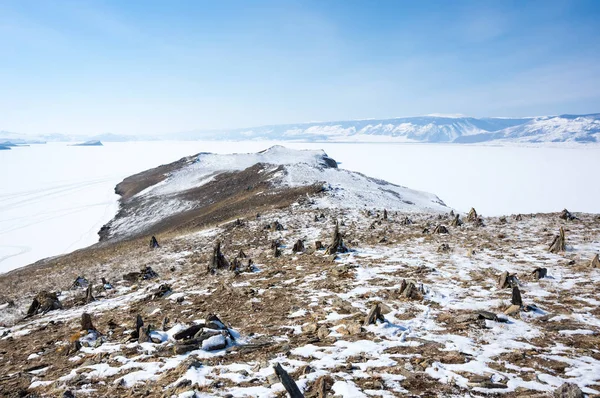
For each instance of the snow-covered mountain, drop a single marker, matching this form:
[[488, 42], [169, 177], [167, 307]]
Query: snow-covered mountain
[[431, 129], [564, 128]]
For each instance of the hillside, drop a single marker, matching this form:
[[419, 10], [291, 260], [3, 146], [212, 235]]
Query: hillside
[[278, 271]]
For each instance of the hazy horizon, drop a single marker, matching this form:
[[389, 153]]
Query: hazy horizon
[[154, 67]]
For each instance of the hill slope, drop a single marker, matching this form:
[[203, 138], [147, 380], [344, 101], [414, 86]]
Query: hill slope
[[214, 187]]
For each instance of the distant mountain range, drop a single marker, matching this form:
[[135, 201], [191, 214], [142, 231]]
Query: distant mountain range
[[429, 129]]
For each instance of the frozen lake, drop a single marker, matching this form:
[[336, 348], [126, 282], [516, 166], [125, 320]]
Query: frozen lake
[[54, 198]]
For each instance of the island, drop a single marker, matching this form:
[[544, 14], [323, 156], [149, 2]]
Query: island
[[89, 143]]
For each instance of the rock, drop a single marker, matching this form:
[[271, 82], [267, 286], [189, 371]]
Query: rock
[[568, 390], [354, 328], [272, 379], [323, 332], [212, 321], [80, 282], [188, 332], [539, 273], [518, 217], [68, 394], [106, 285], [148, 273], [132, 277], [179, 349], [513, 310], [487, 315], [503, 220], [444, 248], [464, 318], [214, 343], [277, 226], [309, 328], [595, 263], [162, 291]]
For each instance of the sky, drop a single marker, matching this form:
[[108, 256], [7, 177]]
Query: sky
[[154, 67]]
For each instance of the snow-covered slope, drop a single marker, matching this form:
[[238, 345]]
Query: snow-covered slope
[[276, 171]]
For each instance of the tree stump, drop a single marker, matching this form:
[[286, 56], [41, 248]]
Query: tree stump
[[440, 229], [144, 335], [337, 242], [516, 297], [148, 273], [86, 322], [406, 221], [595, 263], [154, 243], [385, 214], [139, 322], [43, 302], [506, 280], [298, 246], [89, 297], [374, 315], [276, 252], [288, 383], [558, 244], [472, 216], [319, 245], [218, 260], [457, 222], [567, 216], [539, 273]]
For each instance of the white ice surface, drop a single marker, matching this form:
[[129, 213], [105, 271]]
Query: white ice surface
[[54, 198]]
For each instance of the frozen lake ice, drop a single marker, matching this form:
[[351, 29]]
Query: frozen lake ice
[[54, 198]]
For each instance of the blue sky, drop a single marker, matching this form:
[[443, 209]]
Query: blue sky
[[135, 67]]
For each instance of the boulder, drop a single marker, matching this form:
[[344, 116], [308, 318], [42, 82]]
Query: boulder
[[568, 390]]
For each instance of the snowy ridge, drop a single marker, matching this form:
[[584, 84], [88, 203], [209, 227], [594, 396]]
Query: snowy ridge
[[283, 169], [430, 128], [435, 128]]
